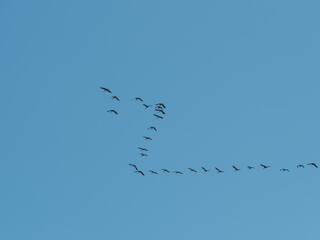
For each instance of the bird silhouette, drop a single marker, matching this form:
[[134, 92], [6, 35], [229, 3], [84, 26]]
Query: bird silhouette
[[143, 155], [153, 172], [264, 166], [105, 89], [205, 170], [146, 106], [284, 170], [115, 97], [139, 172], [165, 170], [133, 166], [147, 138], [219, 171], [236, 169], [300, 166], [192, 170], [159, 110], [157, 116], [143, 149], [177, 172], [152, 128], [158, 107], [313, 164], [113, 111], [138, 99], [161, 104], [249, 167]]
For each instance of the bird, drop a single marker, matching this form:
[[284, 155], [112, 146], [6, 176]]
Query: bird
[[284, 170], [153, 172], [157, 116], [205, 170], [105, 89], [177, 172], [133, 166], [138, 99], [192, 170], [219, 171], [147, 138], [165, 170], [152, 128], [249, 167], [161, 104], [143, 149], [158, 107], [312, 164], [146, 106], [264, 166], [143, 155], [300, 166], [113, 111], [236, 169], [159, 110], [139, 172], [115, 97]]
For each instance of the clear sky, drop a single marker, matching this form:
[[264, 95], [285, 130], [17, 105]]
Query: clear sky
[[240, 80]]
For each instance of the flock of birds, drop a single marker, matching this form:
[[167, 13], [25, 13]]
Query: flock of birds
[[159, 113], [205, 170]]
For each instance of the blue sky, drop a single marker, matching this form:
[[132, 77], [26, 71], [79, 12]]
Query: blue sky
[[240, 80]]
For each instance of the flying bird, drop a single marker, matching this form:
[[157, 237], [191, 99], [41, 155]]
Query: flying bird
[[158, 107], [249, 167], [300, 166], [157, 116], [192, 170], [161, 104], [165, 170], [138, 99], [153, 172], [236, 169], [264, 166], [147, 138], [146, 106], [312, 164], [105, 89], [177, 172], [143, 155], [134, 166], [153, 128], [219, 171], [159, 110], [139, 172], [143, 149], [113, 111], [115, 97], [284, 170], [205, 170]]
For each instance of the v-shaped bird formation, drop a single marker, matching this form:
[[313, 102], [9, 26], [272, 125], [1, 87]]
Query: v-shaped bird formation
[[159, 113]]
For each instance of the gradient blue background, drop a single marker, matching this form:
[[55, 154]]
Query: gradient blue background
[[241, 83]]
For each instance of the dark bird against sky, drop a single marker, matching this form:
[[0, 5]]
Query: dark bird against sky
[[147, 138], [157, 116], [132, 165], [115, 97], [140, 172], [313, 164], [105, 89], [112, 111], [152, 128], [138, 99], [205, 170]]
